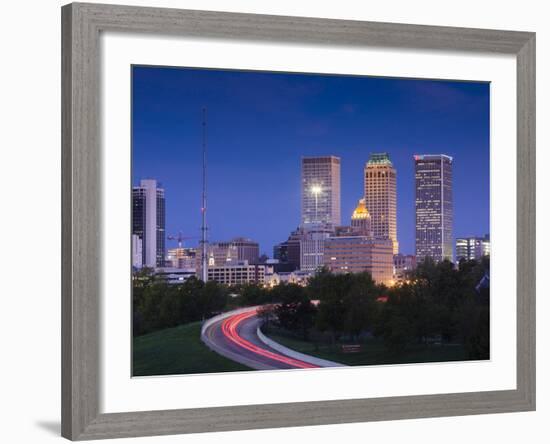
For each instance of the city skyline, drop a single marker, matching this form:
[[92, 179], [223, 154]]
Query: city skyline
[[274, 205]]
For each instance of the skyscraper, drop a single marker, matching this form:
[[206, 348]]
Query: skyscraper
[[148, 221], [320, 191], [381, 197], [434, 206]]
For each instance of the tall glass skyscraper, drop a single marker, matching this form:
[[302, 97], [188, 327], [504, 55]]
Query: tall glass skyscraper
[[434, 206], [148, 221], [321, 191], [381, 197]]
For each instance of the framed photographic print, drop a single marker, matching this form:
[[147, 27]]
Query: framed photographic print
[[279, 221]]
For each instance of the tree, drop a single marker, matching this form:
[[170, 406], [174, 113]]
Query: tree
[[360, 304], [347, 302], [441, 300], [159, 305], [331, 290], [253, 294], [397, 331], [143, 277], [212, 299], [294, 312], [266, 314]]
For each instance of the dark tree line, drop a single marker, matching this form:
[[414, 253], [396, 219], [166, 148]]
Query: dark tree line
[[347, 302], [157, 305], [437, 303], [442, 302]]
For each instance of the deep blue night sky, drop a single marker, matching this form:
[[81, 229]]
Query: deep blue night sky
[[260, 124]]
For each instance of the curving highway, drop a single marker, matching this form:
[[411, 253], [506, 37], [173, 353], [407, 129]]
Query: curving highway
[[235, 337]]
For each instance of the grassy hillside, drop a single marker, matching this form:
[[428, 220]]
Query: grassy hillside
[[372, 352], [177, 350]]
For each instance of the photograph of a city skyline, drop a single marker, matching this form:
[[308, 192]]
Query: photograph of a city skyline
[[287, 221]]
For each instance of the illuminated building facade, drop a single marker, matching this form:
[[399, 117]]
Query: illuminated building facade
[[312, 247], [357, 254], [240, 272], [434, 207], [273, 278], [182, 258], [472, 248], [381, 197], [355, 250], [148, 221], [361, 220], [320, 195]]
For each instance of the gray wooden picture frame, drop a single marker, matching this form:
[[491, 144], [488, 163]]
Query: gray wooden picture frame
[[81, 174]]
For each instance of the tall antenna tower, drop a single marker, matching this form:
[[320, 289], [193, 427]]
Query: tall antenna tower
[[204, 228]]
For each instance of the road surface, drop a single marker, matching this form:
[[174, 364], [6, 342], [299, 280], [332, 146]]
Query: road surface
[[235, 337]]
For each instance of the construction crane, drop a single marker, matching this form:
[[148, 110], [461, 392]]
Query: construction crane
[[180, 238]]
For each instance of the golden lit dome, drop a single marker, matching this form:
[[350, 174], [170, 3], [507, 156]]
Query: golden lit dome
[[361, 211]]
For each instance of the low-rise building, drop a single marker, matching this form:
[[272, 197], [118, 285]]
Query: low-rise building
[[472, 248], [293, 277], [240, 272], [356, 254], [403, 265], [185, 258], [172, 275]]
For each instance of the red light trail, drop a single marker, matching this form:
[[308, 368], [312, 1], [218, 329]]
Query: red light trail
[[229, 330]]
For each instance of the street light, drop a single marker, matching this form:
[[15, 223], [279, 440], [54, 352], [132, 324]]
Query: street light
[[316, 190]]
